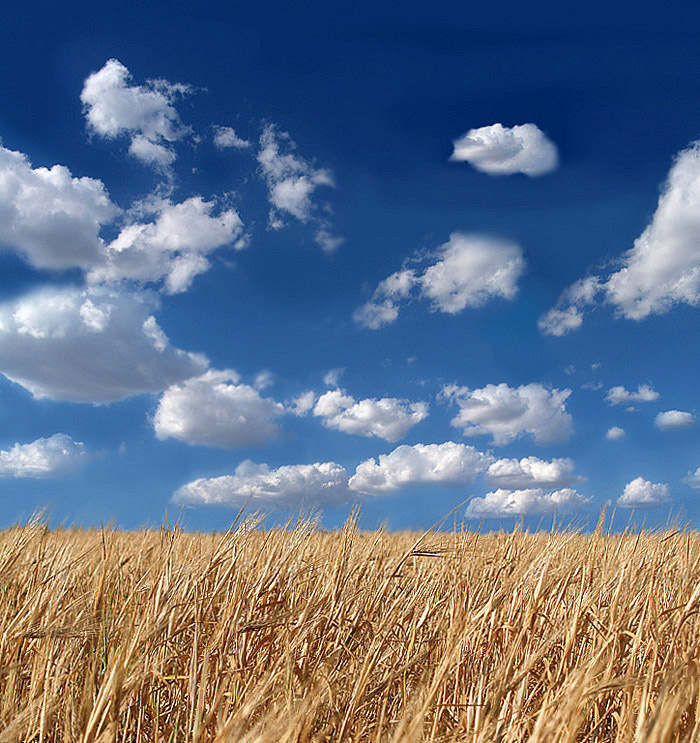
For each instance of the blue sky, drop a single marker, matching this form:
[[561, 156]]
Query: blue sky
[[311, 255]]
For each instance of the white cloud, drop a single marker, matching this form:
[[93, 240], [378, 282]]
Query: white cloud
[[264, 379], [50, 218], [287, 487], [671, 419], [302, 404], [641, 493], [693, 479], [661, 270], [291, 183], [45, 457], [467, 271], [615, 433], [447, 464], [619, 395], [388, 418], [89, 345], [172, 247], [144, 113], [531, 472], [502, 150], [332, 377], [502, 503], [507, 413], [216, 410], [225, 137]]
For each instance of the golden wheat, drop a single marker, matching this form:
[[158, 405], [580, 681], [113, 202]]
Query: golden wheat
[[298, 634]]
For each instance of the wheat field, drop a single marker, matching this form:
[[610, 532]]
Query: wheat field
[[299, 634]]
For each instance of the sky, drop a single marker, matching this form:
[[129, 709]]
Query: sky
[[309, 256]]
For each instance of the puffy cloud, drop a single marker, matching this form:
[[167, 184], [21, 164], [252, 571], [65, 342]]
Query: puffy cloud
[[302, 404], [144, 113], [466, 271], [447, 464], [45, 457], [507, 413], [670, 419], [502, 150], [619, 395], [388, 418], [287, 487], [89, 345], [531, 472], [661, 270], [502, 503], [50, 218], [172, 247], [225, 137], [641, 493], [693, 479], [332, 377], [291, 183], [215, 410], [615, 433]]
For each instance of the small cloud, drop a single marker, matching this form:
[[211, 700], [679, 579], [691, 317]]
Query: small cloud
[[671, 419], [641, 493], [302, 403], [46, 457], [619, 395], [693, 479], [501, 503], [570, 369], [531, 472], [615, 432], [264, 379], [332, 377], [502, 150], [225, 138]]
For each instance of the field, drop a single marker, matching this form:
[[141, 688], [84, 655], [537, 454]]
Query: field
[[303, 635]]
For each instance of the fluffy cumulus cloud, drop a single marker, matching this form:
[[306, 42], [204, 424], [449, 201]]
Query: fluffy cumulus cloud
[[506, 413], [670, 419], [503, 503], [448, 464], [145, 114], [388, 418], [215, 409], [466, 271], [52, 219], [531, 472], [619, 395], [503, 150], [288, 487], [225, 138], [46, 457], [660, 271], [89, 345], [291, 182], [693, 479], [615, 433], [168, 242], [641, 493]]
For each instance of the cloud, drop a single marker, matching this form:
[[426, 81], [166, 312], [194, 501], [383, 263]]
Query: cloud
[[216, 410], [225, 138], [388, 418], [502, 150], [502, 503], [615, 433], [506, 413], [332, 377], [448, 464], [143, 113], [89, 345], [693, 479], [46, 457], [172, 247], [619, 395], [291, 182], [531, 472], [466, 271], [50, 218], [302, 404], [641, 493], [661, 270], [288, 487], [671, 419]]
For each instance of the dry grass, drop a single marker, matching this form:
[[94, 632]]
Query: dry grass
[[304, 635]]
